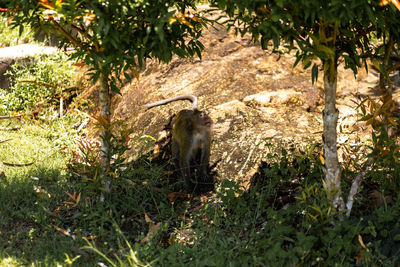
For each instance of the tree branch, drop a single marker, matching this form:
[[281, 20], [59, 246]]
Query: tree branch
[[65, 34], [39, 83], [356, 184], [87, 35]]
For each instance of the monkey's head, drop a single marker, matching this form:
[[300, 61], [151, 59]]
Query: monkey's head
[[202, 118]]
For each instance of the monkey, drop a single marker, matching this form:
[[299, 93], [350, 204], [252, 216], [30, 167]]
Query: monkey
[[191, 140]]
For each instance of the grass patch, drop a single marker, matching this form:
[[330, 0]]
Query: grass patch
[[28, 194]]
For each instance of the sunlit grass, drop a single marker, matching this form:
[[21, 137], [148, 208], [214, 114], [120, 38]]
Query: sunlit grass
[[7, 261], [29, 194], [36, 145]]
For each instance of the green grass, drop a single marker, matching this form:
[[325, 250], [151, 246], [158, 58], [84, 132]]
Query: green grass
[[34, 207], [29, 195]]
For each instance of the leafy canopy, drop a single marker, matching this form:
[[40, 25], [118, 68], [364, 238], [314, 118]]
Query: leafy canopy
[[320, 29], [114, 36]]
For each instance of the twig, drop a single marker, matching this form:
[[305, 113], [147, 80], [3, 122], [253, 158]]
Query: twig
[[17, 164], [83, 125], [11, 116], [9, 129], [5, 141], [66, 35], [39, 83]]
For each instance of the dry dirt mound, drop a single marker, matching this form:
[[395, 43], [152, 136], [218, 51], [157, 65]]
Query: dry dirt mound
[[252, 98]]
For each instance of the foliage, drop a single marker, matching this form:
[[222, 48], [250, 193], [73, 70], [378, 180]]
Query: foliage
[[380, 115], [382, 182], [115, 36], [382, 232], [308, 27], [85, 165], [27, 90], [11, 37]]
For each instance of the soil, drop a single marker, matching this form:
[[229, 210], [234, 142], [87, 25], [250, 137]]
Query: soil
[[259, 103]]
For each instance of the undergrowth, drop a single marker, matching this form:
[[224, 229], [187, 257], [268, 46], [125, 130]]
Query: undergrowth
[[39, 83], [11, 36], [281, 217]]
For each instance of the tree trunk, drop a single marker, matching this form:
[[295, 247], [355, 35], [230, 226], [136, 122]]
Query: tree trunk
[[105, 107], [330, 117]]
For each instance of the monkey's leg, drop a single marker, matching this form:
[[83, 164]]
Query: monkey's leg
[[185, 170], [203, 166], [175, 155], [185, 161]]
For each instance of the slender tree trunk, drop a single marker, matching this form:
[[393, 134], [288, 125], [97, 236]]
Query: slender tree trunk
[[105, 108], [330, 118]]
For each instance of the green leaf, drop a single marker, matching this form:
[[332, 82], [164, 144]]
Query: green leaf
[[314, 73], [396, 237], [127, 76]]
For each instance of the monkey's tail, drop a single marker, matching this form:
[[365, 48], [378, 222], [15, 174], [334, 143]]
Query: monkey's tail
[[192, 98]]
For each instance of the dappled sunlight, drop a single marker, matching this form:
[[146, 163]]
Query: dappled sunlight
[[25, 50], [9, 261]]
